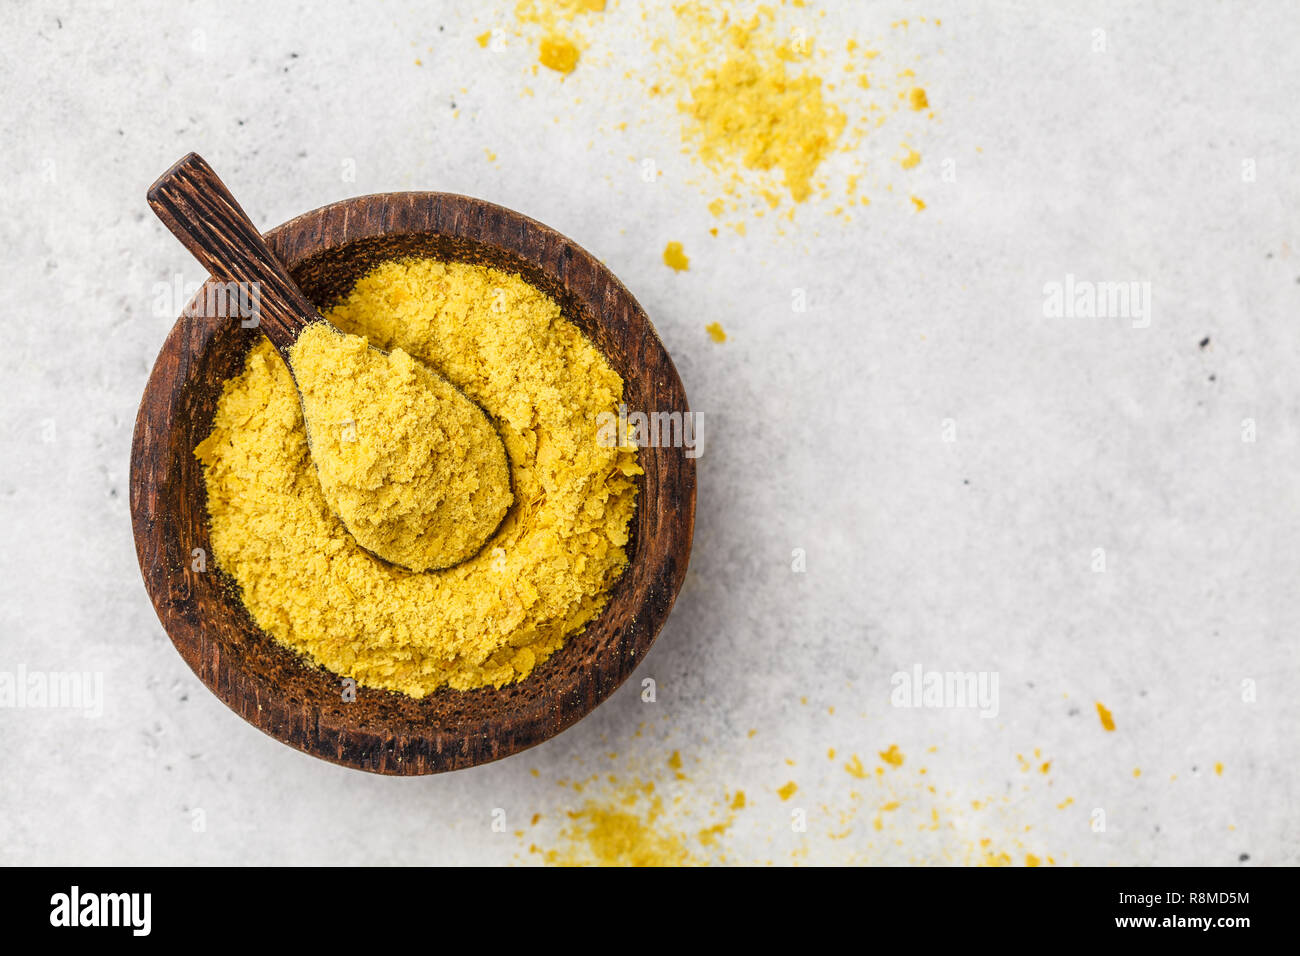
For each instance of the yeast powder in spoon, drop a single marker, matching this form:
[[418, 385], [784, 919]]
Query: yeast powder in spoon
[[415, 470]]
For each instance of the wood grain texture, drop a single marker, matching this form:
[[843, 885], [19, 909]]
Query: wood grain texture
[[326, 251], [201, 212]]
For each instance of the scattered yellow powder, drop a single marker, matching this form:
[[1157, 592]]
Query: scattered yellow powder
[[1137, 771], [484, 38], [916, 98], [543, 575], [617, 836], [709, 835], [1107, 720], [675, 761], [675, 258], [558, 53], [855, 768], [919, 204], [1218, 769], [911, 160], [415, 470], [632, 821], [893, 756], [1047, 765], [716, 332]]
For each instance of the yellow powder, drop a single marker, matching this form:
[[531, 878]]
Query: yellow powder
[[916, 98], [484, 39], [918, 203], [619, 837], [542, 576], [788, 790], [415, 470], [675, 257], [749, 107], [1107, 720], [558, 53], [893, 756], [716, 332], [911, 160]]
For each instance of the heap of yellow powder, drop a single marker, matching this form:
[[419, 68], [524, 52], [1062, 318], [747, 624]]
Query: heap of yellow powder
[[750, 107], [542, 576], [414, 469]]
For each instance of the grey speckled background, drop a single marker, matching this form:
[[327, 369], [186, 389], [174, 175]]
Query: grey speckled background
[[825, 431]]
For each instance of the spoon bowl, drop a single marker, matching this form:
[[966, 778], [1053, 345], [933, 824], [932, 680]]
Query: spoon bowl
[[325, 252]]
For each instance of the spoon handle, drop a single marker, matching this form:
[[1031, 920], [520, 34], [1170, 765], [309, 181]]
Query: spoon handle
[[200, 211]]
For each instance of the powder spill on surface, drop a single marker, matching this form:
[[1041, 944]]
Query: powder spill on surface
[[746, 106], [763, 106], [716, 332], [645, 810], [542, 576], [559, 48]]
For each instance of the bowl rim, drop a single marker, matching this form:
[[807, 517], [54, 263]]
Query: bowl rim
[[663, 538]]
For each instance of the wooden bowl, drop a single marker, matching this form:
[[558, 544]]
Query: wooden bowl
[[274, 688]]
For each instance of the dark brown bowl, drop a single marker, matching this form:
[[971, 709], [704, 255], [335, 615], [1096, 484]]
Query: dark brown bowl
[[275, 689]]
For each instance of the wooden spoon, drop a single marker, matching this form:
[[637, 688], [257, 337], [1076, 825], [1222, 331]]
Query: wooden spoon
[[421, 519]]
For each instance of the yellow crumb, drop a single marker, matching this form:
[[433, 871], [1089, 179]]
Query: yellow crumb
[[893, 756], [1107, 720], [558, 53], [675, 258]]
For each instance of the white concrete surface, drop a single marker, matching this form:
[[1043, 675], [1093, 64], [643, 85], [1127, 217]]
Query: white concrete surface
[[827, 430]]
